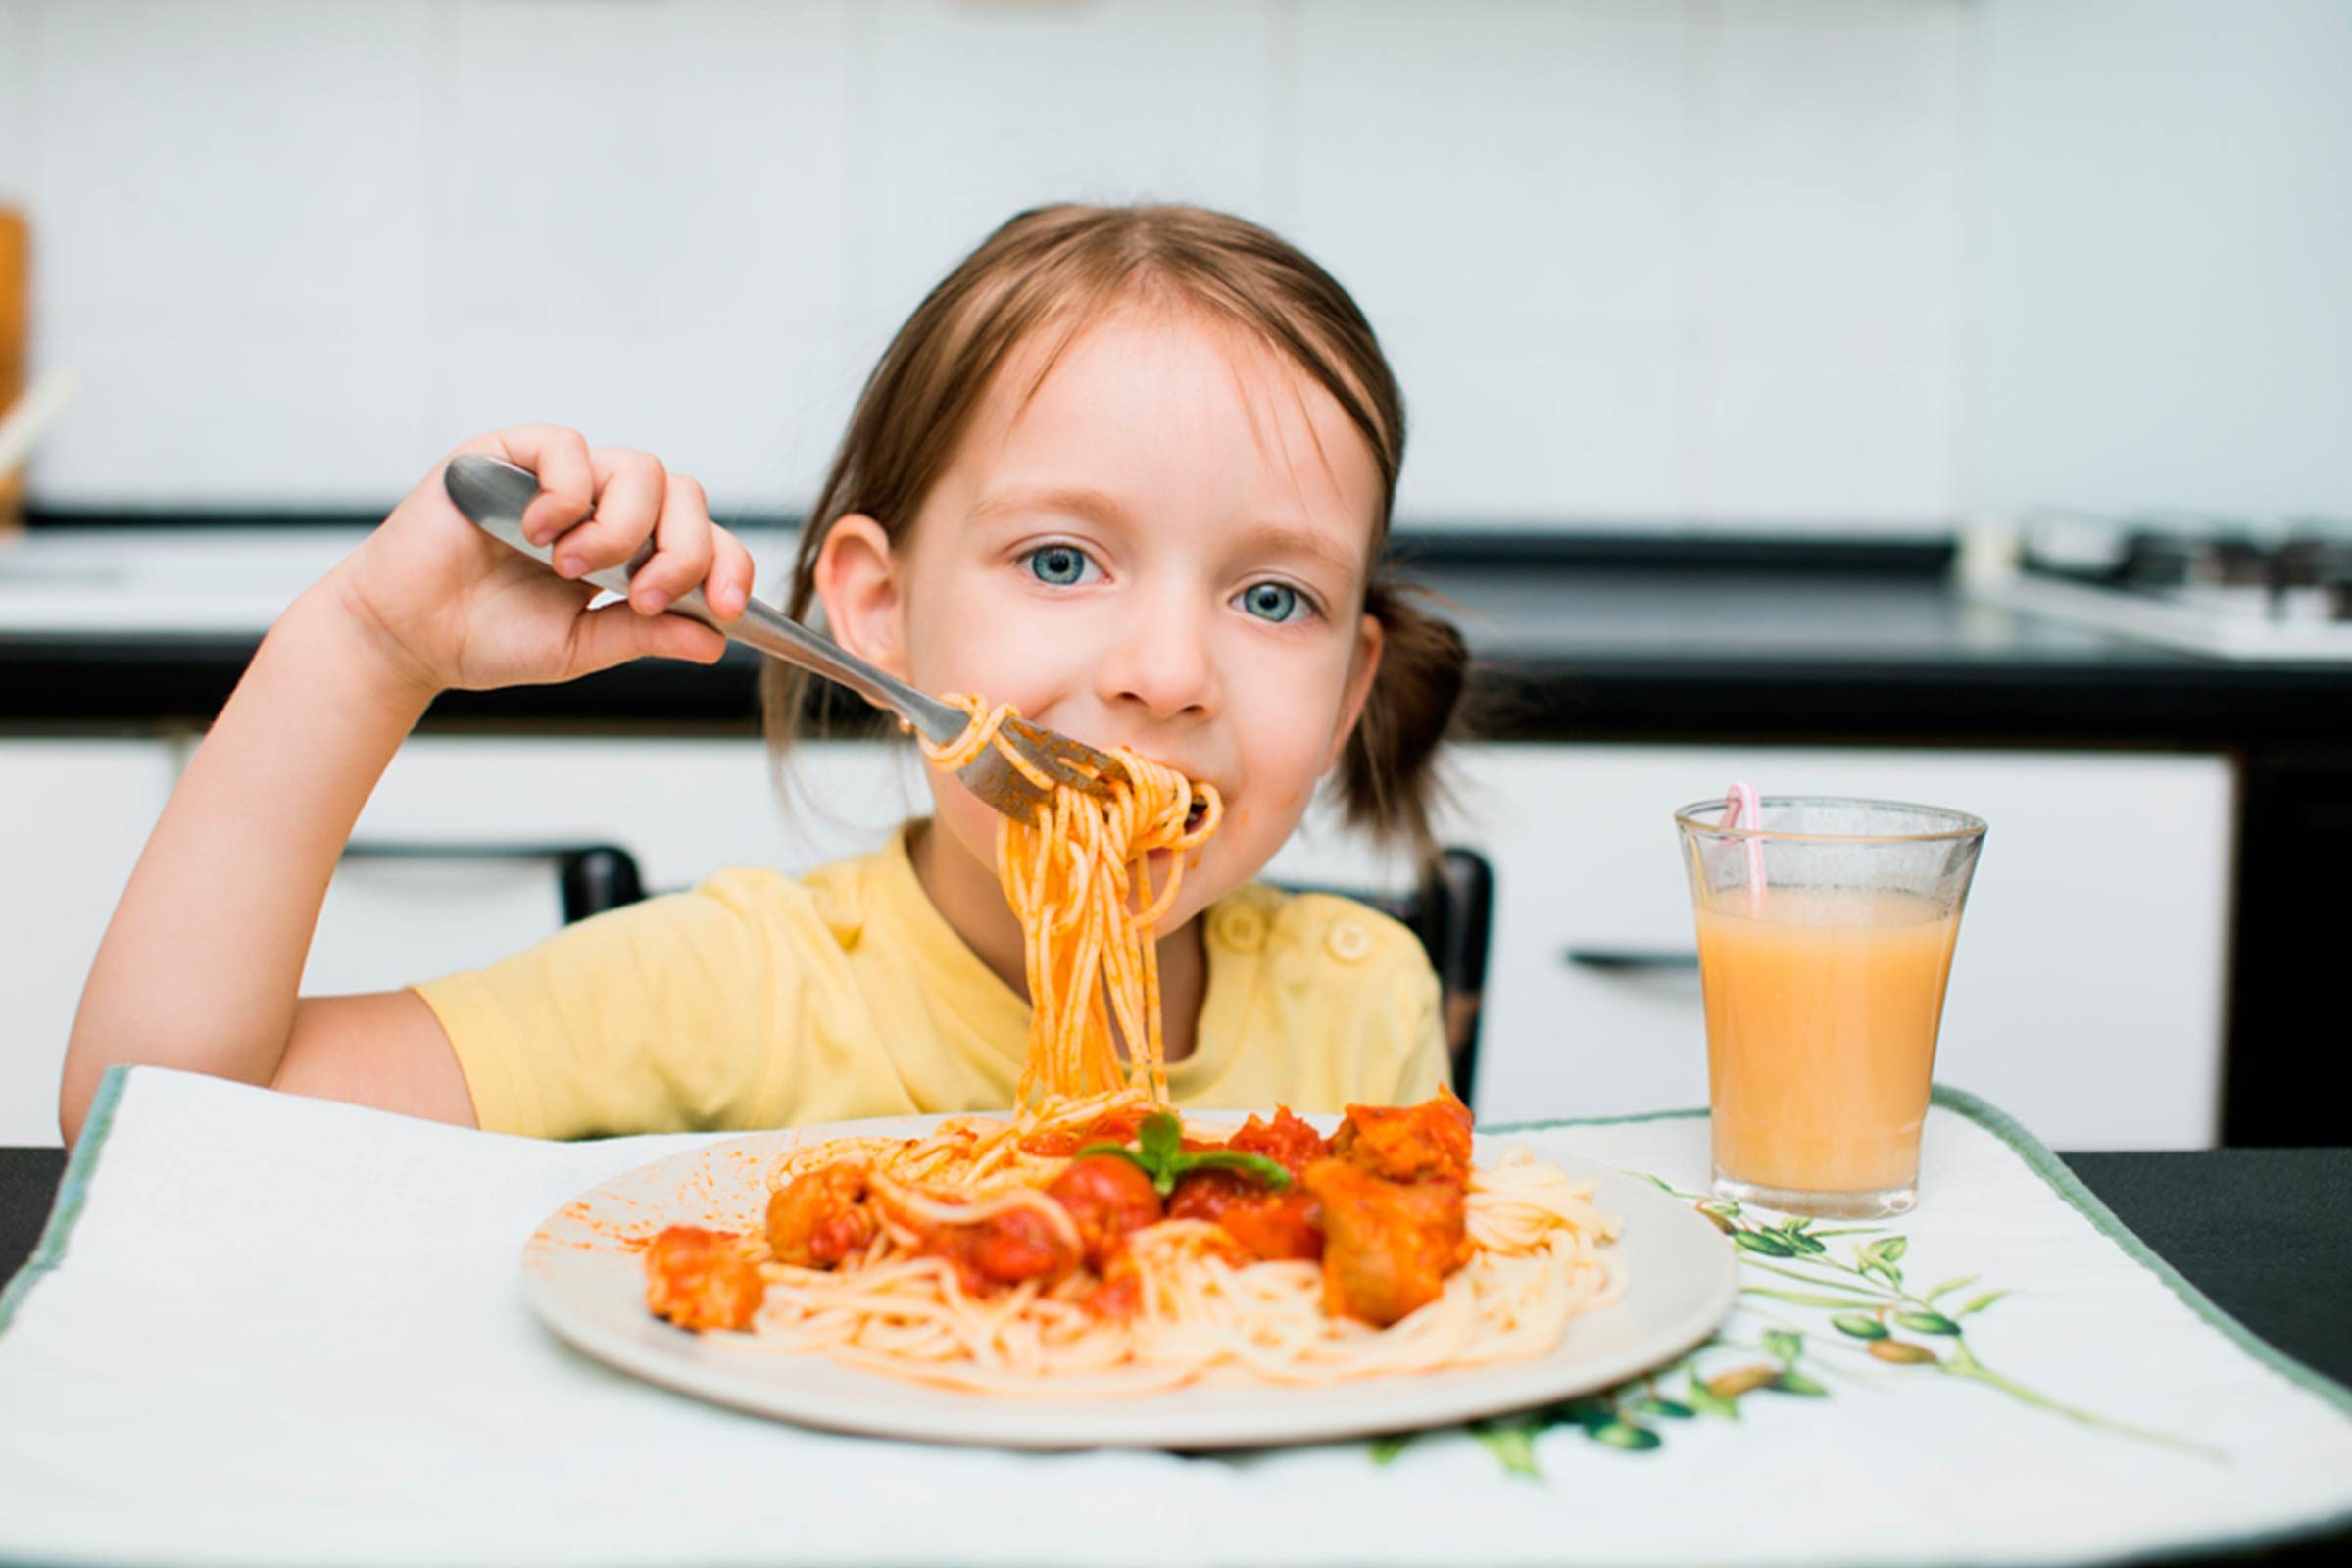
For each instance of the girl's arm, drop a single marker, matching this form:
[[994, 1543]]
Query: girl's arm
[[200, 964], [199, 968]]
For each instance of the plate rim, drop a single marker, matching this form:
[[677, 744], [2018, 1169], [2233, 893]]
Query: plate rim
[[1227, 1417]]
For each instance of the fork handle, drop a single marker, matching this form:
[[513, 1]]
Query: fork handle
[[779, 636], [773, 632]]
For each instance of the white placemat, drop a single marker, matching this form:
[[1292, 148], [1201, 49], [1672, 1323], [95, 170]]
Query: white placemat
[[261, 1329]]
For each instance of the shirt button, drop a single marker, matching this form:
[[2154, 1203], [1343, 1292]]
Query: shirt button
[[1348, 941], [1242, 929]]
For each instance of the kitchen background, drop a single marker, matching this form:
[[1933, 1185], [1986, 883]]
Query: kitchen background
[[1753, 285]]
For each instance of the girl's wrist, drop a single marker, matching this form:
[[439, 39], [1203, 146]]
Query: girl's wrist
[[338, 631]]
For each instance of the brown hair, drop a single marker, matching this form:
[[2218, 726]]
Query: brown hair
[[1064, 267]]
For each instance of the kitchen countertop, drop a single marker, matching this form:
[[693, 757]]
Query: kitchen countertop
[[1587, 639]]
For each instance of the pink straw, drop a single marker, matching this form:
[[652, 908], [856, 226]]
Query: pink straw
[[1746, 811]]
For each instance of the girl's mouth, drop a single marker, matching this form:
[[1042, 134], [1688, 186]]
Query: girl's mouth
[[1192, 818]]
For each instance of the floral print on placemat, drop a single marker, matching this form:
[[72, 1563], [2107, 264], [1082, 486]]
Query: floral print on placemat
[[1820, 1306]]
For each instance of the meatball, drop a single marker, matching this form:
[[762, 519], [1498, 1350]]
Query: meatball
[[1267, 1224], [701, 1279], [1107, 1196], [1387, 1245], [821, 1217], [1289, 1140], [1428, 1141], [1008, 1247]]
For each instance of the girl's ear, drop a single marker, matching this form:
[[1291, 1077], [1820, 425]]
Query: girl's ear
[[1369, 639], [858, 579]]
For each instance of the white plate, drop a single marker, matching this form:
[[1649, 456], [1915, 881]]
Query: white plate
[[591, 1291]]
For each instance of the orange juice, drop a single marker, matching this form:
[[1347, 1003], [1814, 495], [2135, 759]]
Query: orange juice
[[1822, 1007]]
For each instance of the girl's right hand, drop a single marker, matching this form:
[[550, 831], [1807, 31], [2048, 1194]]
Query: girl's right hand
[[448, 606]]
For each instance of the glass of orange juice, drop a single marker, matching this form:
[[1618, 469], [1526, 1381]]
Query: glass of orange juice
[[1826, 930]]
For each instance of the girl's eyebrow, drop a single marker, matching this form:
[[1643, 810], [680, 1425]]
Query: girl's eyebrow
[[1289, 539], [1096, 506]]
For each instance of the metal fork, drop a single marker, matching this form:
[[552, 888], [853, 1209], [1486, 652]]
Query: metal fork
[[492, 494]]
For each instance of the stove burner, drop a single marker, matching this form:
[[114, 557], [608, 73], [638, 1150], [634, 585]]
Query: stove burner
[[2233, 588], [2299, 570]]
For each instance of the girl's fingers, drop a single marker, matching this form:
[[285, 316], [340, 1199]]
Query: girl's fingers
[[729, 586], [629, 491], [682, 549], [566, 474], [616, 634]]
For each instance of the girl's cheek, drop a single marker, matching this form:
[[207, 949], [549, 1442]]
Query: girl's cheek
[[982, 640], [1289, 722]]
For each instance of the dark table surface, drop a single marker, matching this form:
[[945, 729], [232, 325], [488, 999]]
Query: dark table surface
[[2255, 1229]]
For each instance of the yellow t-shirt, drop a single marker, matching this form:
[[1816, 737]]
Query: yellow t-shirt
[[761, 1001]]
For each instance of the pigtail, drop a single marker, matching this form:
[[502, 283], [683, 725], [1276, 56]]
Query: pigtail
[[1388, 782]]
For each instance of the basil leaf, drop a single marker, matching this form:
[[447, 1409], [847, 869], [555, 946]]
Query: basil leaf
[[1162, 1140], [1120, 1150], [1267, 1171]]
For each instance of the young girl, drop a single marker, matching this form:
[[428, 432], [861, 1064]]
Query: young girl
[[1129, 470]]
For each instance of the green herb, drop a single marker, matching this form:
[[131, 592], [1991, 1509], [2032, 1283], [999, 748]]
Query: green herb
[[1160, 1155], [1514, 1445]]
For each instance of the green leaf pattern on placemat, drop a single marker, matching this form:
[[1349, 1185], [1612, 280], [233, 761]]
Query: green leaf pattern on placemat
[[1864, 1311]]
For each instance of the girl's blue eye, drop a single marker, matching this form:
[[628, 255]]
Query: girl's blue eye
[[1062, 565], [1276, 601]]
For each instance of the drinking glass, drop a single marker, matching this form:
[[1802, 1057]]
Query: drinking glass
[[1826, 930]]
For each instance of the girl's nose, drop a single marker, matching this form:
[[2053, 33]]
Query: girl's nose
[[1161, 660]]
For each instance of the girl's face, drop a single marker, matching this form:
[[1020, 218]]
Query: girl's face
[[1165, 548]]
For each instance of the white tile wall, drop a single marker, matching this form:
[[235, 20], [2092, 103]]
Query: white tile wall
[[2163, 317], [1823, 384], [964, 114], [236, 163], [15, 105], [1503, 187], [204, 407], [641, 167], [225, 200], [1638, 260]]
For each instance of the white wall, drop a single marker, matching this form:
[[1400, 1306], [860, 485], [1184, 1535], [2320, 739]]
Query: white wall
[[1638, 260], [2166, 311]]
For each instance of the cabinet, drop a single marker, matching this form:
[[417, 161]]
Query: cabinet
[[74, 815]]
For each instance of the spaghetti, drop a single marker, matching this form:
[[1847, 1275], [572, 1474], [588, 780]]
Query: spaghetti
[[1094, 1244], [1079, 881]]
